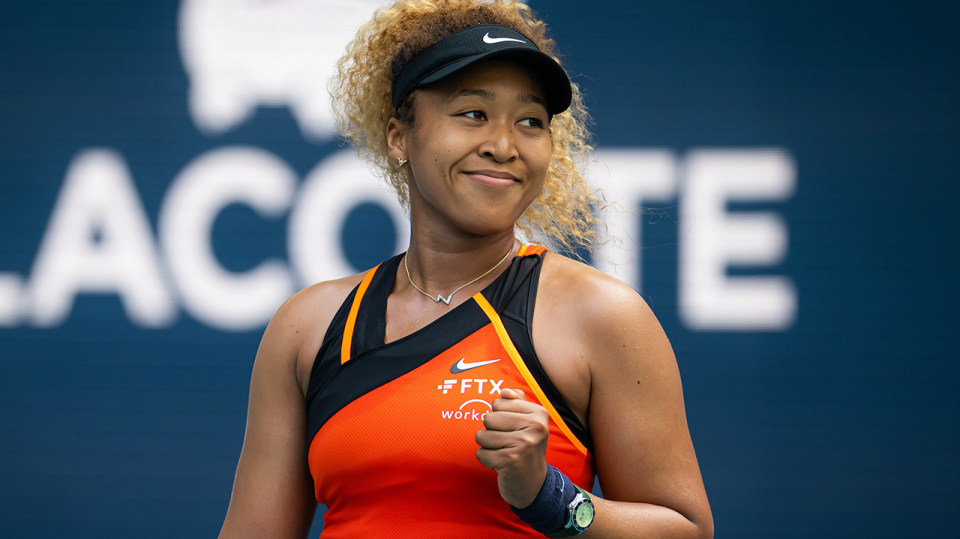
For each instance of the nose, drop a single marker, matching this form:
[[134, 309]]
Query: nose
[[499, 143]]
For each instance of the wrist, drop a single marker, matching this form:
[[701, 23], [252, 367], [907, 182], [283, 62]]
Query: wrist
[[551, 512]]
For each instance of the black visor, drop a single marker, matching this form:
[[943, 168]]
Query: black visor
[[482, 42]]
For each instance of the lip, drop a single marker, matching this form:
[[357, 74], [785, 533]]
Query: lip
[[492, 178]]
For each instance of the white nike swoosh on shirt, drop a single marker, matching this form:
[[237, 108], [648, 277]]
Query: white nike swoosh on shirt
[[462, 365], [492, 40]]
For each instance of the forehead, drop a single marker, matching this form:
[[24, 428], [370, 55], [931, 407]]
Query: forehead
[[493, 76]]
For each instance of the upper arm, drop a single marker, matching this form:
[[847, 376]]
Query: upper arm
[[273, 491], [612, 362], [642, 444]]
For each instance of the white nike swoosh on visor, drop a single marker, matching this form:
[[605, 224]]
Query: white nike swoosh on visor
[[462, 365], [492, 40]]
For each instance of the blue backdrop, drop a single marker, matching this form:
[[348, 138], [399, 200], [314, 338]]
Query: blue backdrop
[[123, 401]]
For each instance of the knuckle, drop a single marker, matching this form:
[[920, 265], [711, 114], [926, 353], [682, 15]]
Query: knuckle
[[531, 440], [539, 428]]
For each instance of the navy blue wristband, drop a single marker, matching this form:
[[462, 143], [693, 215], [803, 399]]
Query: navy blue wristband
[[548, 512]]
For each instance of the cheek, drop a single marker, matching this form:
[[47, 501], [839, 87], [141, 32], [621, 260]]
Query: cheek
[[542, 160]]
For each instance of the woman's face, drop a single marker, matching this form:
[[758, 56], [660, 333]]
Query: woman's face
[[479, 149]]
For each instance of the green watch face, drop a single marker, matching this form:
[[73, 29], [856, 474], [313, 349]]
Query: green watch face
[[584, 514]]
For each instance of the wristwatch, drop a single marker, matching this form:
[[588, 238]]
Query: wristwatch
[[579, 516]]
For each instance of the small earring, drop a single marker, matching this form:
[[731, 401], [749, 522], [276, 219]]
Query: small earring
[[401, 161]]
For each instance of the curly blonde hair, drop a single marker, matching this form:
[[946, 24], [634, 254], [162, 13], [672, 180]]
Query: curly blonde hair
[[562, 215]]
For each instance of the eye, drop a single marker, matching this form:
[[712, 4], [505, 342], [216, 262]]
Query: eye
[[476, 115], [531, 122]]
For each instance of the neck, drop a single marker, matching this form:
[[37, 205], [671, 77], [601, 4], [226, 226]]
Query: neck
[[443, 255], [440, 267]]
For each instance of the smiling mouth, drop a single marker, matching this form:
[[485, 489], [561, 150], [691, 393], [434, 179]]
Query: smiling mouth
[[492, 178]]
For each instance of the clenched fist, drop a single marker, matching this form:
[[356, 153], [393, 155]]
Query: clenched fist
[[514, 445]]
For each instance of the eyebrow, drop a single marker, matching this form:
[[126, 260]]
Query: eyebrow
[[530, 98], [486, 94], [467, 92]]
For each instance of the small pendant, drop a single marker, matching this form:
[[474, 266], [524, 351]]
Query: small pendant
[[445, 299]]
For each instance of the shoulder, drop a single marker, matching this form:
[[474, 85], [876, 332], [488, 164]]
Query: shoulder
[[315, 304], [603, 314], [296, 331], [591, 332], [599, 298]]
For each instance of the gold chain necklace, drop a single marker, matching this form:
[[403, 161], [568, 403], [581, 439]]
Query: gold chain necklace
[[446, 300]]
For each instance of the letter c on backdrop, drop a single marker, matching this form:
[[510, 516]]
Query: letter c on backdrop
[[213, 295], [336, 186]]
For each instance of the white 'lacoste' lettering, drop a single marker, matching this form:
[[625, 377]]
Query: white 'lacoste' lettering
[[492, 40]]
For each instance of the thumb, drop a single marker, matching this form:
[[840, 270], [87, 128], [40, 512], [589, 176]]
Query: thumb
[[507, 393]]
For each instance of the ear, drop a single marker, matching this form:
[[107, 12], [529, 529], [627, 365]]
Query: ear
[[396, 140]]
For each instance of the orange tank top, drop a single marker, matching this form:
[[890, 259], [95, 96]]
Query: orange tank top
[[391, 426]]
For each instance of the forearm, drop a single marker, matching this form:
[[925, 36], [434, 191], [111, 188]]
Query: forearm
[[621, 520]]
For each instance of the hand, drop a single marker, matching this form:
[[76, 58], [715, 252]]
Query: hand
[[514, 445]]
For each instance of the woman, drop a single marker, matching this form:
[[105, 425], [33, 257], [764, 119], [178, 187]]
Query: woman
[[472, 386]]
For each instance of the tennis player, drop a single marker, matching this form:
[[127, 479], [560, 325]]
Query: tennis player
[[476, 385]]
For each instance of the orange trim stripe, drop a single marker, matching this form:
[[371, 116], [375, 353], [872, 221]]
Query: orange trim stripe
[[535, 250], [523, 249], [352, 318], [522, 367]]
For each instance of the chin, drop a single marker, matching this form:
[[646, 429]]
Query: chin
[[488, 226], [494, 218]]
